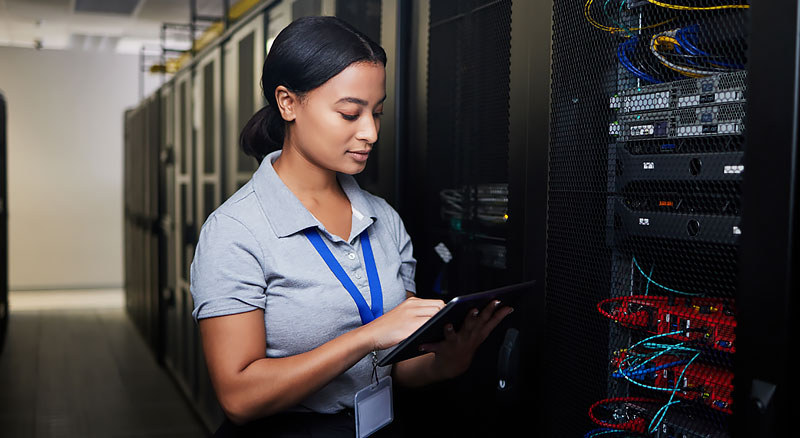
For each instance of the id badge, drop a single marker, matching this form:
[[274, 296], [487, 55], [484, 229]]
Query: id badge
[[373, 407]]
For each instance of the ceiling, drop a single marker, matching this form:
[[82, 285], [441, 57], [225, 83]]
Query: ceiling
[[121, 26]]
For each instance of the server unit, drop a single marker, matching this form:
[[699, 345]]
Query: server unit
[[651, 204]]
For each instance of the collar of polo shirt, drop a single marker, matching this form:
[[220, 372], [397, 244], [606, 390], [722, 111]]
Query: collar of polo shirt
[[287, 215]]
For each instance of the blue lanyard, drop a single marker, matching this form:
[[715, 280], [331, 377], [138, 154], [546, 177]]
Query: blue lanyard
[[376, 294]]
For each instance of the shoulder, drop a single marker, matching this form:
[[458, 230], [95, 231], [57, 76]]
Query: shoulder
[[241, 207], [236, 219]]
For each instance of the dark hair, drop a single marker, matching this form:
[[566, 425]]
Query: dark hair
[[303, 56]]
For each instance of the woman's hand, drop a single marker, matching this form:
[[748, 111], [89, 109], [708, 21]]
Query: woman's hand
[[400, 322], [453, 356]]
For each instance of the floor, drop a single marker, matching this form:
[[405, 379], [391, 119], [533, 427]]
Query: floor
[[74, 366]]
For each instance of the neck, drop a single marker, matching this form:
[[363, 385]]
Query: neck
[[302, 176]]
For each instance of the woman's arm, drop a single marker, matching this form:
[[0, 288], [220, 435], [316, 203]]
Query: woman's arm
[[249, 385]]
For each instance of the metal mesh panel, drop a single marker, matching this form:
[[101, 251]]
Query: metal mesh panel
[[647, 122], [468, 140]]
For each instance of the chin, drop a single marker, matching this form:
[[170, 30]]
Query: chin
[[354, 170]]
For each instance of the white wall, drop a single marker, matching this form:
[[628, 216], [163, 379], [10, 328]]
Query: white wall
[[65, 143]]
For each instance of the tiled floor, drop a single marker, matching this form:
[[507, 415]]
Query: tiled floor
[[74, 366]]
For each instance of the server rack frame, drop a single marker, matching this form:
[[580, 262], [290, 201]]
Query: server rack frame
[[768, 252]]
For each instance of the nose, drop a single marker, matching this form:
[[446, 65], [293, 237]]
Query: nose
[[368, 129]]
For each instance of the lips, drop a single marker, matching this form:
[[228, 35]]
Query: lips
[[359, 155]]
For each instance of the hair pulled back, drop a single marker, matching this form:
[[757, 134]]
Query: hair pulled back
[[304, 55]]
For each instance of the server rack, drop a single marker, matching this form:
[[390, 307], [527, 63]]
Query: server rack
[[4, 311], [140, 214], [472, 178], [658, 185], [242, 61]]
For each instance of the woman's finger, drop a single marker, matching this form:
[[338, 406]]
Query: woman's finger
[[488, 311], [498, 316]]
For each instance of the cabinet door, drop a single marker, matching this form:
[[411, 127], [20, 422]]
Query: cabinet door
[[244, 58], [185, 231], [167, 244]]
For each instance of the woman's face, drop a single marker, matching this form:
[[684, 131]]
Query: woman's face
[[337, 123]]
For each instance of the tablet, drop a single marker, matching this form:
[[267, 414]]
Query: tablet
[[453, 313]]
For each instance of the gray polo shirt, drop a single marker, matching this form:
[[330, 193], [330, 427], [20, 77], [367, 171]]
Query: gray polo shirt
[[252, 254]]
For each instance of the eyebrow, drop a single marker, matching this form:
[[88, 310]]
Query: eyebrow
[[357, 101]]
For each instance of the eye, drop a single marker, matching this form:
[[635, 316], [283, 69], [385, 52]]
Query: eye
[[349, 117], [378, 114]]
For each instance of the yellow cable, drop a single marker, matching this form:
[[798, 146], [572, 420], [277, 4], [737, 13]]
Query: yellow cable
[[656, 41], [696, 8], [614, 29]]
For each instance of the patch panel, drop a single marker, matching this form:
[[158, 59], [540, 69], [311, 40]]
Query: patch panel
[[706, 321], [704, 383], [636, 414]]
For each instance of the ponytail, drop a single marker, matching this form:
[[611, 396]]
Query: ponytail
[[263, 133]]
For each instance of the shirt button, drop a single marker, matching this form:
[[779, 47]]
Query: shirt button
[[351, 256], [358, 274]]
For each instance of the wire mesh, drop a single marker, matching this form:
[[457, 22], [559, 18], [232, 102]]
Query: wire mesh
[[647, 135]]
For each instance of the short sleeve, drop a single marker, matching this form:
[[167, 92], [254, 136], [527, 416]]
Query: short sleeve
[[408, 264], [227, 276]]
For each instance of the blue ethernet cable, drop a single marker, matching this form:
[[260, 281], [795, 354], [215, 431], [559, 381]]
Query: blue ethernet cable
[[659, 284]]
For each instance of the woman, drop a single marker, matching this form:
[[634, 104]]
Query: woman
[[286, 340]]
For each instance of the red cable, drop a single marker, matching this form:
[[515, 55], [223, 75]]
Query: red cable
[[637, 425]]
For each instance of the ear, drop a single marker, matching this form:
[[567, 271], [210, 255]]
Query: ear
[[287, 102]]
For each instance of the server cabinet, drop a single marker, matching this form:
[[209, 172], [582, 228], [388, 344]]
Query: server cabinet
[[167, 245], [207, 122], [149, 226], [463, 183], [133, 195], [184, 367], [141, 234], [472, 189], [4, 311], [243, 59], [655, 171]]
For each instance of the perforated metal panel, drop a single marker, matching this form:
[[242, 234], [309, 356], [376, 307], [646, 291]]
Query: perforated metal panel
[[468, 142], [647, 139]]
